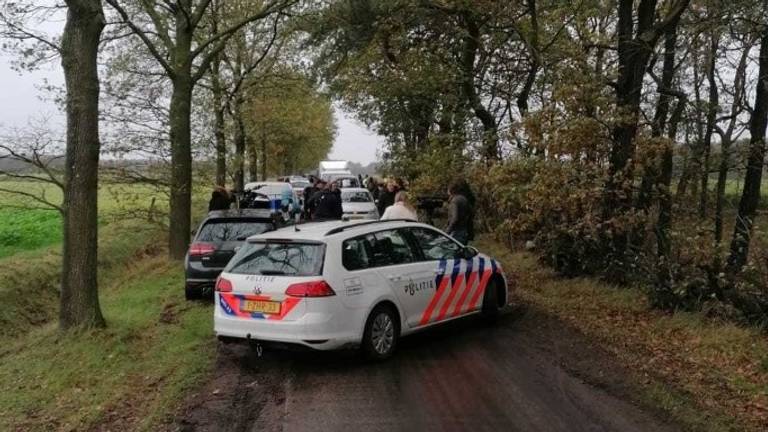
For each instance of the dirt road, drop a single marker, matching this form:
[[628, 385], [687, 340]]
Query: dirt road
[[528, 373]]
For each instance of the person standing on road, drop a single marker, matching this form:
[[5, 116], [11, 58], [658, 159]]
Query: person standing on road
[[309, 192], [220, 199], [327, 204], [387, 196], [401, 209], [460, 212]]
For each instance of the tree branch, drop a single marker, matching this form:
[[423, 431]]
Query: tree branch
[[143, 36]]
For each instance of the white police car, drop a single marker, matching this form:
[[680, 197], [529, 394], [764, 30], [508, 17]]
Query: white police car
[[336, 284]]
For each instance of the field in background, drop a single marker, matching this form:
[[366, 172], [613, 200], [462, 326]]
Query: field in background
[[27, 225], [155, 347]]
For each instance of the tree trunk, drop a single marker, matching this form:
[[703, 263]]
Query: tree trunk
[[240, 138], [181, 145], [634, 53], [253, 159], [633, 60], [750, 196], [712, 105], [722, 177], [218, 125], [79, 301], [532, 45], [471, 41], [726, 141], [263, 153], [651, 173]]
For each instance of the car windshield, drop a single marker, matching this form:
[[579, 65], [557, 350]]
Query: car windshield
[[356, 197], [278, 258], [231, 230], [300, 184]]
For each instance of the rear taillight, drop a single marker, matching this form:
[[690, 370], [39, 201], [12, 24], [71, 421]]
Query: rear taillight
[[310, 289], [223, 285], [200, 249]]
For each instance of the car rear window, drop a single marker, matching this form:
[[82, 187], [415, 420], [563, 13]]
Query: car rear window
[[231, 229], [356, 197], [279, 258]]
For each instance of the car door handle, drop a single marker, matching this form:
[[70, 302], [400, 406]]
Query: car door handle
[[394, 278]]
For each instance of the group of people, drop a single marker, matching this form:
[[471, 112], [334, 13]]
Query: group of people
[[393, 202], [322, 201]]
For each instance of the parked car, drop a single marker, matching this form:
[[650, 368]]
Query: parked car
[[338, 284], [357, 203], [217, 239], [281, 195]]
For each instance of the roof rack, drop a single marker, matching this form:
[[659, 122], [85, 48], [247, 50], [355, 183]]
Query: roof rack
[[355, 225]]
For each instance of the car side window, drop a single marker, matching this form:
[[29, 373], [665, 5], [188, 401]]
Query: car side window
[[391, 248], [435, 246], [356, 253]]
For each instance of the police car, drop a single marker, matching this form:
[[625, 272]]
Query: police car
[[331, 285]]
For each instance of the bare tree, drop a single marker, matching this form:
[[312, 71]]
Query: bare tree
[[170, 32]]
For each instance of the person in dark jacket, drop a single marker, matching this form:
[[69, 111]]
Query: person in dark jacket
[[460, 212], [220, 199], [327, 204], [309, 192], [387, 196]]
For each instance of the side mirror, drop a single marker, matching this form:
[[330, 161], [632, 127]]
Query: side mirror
[[469, 252]]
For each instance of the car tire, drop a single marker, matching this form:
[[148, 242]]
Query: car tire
[[382, 331], [192, 293], [490, 309]]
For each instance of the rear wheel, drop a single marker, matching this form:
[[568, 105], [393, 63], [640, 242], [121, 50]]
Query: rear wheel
[[381, 333], [490, 309]]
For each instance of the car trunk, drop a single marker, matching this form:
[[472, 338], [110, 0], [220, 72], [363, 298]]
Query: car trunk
[[263, 271]]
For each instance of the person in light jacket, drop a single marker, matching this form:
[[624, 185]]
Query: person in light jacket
[[401, 209]]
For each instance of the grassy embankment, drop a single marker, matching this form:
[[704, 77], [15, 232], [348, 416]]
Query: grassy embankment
[[131, 374], [707, 374]]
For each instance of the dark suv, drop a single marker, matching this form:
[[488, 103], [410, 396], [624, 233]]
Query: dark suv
[[217, 239]]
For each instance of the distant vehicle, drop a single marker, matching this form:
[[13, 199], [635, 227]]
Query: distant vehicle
[[358, 204], [341, 284], [280, 194], [345, 180], [327, 169], [215, 242]]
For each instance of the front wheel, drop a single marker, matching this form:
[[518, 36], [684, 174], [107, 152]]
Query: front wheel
[[381, 333]]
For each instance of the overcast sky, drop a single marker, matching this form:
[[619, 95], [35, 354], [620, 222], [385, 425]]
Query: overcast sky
[[20, 100]]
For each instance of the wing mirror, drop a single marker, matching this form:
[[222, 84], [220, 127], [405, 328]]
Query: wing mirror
[[469, 252]]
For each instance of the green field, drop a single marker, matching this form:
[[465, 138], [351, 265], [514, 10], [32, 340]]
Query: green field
[[28, 229], [156, 345], [27, 226]]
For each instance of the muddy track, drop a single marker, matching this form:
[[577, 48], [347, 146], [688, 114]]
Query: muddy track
[[529, 372]]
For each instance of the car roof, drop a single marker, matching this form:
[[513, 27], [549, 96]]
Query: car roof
[[319, 231], [240, 213], [354, 189], [259, 185]]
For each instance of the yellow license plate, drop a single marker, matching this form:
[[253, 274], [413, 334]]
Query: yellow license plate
[[260, 306]]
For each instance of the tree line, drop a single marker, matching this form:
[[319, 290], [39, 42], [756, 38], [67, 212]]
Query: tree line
[[176, 85], [612, 132], [626, 137]]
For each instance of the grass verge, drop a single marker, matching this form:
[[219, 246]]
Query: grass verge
[[125, 377], [29, 280], [707, 375]]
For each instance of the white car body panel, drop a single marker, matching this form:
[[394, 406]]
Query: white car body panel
[[425, 293]]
